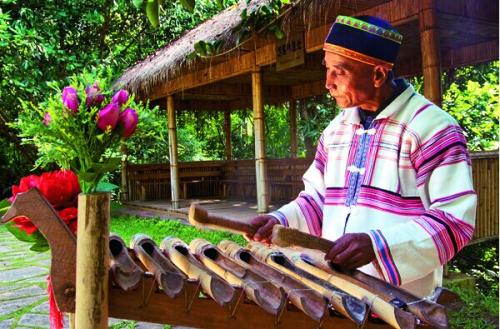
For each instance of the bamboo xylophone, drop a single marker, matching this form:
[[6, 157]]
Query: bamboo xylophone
[[227, 286]]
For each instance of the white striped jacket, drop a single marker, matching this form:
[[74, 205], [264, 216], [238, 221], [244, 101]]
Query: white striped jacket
[[406, 181]]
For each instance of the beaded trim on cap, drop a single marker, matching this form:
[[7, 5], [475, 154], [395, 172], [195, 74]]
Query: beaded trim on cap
[[370, 28], [356, 55]]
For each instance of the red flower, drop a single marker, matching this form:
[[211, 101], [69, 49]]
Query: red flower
[[73, 226], [60, 188], [24, 223], [68, 214], [26, 184]]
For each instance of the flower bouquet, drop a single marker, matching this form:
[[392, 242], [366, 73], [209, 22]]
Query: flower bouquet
[[78, 128]]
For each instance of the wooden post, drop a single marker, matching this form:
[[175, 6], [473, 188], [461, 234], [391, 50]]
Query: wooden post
[[172, 147], [260, 148], [92, 261], [124, 185], [431, 52], [292, 110], [71, 320], [227, 131]]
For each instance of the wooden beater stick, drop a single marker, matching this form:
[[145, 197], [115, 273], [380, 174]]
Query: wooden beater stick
[[200, 217]]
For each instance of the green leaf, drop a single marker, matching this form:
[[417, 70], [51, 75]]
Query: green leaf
[[4, 206], [152, 12], [106, 187], [200, 47], [40, 246], [105, 167], [279, 33], [192, 55], [138, 3], [188, 5], [20, 234], [88, 176]]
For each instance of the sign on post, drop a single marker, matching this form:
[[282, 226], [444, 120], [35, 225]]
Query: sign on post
[[290, 51]]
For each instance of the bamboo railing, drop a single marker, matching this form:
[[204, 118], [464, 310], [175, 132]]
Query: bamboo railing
[[235, 179]]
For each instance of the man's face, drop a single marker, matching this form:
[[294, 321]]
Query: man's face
[[350, 82]]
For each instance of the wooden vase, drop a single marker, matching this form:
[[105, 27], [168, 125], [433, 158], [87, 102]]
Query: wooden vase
[[92, 261]]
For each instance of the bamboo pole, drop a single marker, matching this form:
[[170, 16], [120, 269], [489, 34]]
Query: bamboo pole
[[292, 109], [431, 52], [71, 320], [227, 132], [124, 195], [260, 148], [172, 147], [92, 261]]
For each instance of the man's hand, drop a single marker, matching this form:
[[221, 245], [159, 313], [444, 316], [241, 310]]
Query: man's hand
[[352, 250], [264, 227]]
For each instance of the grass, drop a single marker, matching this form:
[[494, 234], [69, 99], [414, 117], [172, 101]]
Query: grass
[[158, 229], [480, 312]]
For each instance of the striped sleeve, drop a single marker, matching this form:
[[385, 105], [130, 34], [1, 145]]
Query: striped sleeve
[[306, 211], [411, 250]]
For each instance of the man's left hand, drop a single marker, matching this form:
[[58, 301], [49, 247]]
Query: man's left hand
[[352, 250]]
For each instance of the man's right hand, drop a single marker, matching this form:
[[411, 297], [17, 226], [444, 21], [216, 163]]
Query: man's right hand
[[263, 228]]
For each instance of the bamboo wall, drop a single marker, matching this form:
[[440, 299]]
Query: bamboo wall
[[485, 176], [235, 179]]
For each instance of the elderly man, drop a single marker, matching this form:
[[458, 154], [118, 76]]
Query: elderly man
[[391, 181]]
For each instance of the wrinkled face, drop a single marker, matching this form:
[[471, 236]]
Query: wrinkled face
[[350, 82]]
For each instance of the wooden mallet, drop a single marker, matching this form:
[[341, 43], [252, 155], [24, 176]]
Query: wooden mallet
[[286, 237], [200, 217]]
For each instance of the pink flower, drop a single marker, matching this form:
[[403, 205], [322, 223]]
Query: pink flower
[[47, 119], [128, 122], [70, 99], [108, 116], [121, 97], [94, 97]]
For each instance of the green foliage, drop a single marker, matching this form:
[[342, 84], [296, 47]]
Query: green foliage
[[481, 262], [474, 104], [277, 129], [314, 115], [263, 18], [37, 240], [157, 229], [470, 95], [4, 206]]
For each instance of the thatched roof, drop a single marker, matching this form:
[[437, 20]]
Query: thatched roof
[[167, 61], [468, 34]]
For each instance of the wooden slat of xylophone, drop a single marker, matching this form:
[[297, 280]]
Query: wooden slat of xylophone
[[205, 313]]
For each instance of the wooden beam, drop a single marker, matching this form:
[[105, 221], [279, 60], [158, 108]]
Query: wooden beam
[[233, 67], [292, 110], [172, 147], [227, 133], [260, 147], [431, 52]]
